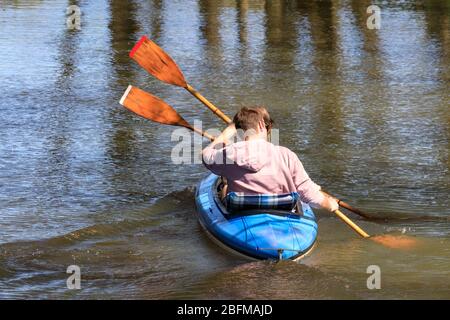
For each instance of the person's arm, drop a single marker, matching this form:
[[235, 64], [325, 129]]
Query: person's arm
[[213, 156], [224, 137], [308, 190], [329, 203]]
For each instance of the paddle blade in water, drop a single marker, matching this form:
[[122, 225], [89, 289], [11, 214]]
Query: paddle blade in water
[[150, 107], [157, 62], [396, 242]]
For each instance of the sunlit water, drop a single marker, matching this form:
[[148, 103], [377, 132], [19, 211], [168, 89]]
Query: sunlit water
[[84, 182]]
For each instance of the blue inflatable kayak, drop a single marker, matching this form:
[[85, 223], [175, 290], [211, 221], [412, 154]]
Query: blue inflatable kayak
[[267, 234]]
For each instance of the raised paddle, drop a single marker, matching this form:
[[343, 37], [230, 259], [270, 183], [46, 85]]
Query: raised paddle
[[159, 64], [152, 108]]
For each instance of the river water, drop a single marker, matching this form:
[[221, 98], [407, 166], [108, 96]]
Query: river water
[[84, 182]]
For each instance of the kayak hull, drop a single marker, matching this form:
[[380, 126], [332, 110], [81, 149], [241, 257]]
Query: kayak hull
[[255, 234]]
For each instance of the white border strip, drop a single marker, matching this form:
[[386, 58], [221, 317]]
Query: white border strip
[[125, 94]]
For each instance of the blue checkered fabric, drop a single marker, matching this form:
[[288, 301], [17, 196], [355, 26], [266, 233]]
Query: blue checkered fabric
[[238, 201]]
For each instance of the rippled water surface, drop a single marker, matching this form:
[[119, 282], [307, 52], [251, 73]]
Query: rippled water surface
[[84, 182]]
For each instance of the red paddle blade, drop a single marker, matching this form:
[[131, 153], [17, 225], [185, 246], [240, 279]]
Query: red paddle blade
[[150, 107], [157, 62]]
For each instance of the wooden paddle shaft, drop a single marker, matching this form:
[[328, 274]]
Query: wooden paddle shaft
[[212, 107], [353, 209], [348, 207], [351, 224], [203, 133]]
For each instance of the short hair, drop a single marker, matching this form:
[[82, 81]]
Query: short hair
[[248, 118]]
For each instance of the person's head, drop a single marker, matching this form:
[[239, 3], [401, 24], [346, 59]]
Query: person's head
[[253, 121]]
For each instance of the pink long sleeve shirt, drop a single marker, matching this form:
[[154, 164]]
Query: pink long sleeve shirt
[[260, 167]]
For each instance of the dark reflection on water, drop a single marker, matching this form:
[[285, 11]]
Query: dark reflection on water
[[366, 110]]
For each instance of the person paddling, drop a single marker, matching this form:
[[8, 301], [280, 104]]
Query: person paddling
[[254, 166]]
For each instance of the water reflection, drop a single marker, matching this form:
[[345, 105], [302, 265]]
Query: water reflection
[[242, 20], [366, 110]]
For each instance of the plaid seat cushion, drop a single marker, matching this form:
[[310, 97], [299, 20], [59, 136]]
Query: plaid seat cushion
[[238, 201]]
